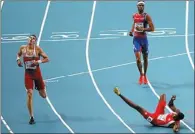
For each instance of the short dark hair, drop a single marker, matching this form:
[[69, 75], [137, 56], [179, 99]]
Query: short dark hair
[[33, 36], [179, 116]]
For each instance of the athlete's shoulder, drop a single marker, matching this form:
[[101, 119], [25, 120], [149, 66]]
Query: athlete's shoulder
[[146, 14], [22, 46], [147, 17], [134, 14], [38, 47]]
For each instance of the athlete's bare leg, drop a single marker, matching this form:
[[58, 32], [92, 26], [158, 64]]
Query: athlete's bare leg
[[145, 57], [30, 102], [138, 61], [161, 104], [129, 102], [30, 105], [139, 65]]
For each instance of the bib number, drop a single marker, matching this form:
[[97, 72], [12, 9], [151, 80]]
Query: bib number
[[28, 65], [138, 25], [162, 117], [149, 119]]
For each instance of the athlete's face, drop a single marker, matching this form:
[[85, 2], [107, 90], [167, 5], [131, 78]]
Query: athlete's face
[[175, 117], [140, 7], [32, 40]]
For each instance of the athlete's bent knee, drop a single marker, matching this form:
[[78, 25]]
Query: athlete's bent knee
[[163, 97], [145, 57], [29, 92], [138, 60], [42, 93]]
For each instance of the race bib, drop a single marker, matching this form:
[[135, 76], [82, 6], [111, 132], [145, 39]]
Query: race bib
[[28, 65], [138, 25], [162, 117], [149, 119]]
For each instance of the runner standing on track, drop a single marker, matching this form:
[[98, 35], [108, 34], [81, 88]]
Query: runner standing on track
[[140, 41], [33, 78]]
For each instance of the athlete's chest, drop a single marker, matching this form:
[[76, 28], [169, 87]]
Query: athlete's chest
[[26, 52], [139, 18]]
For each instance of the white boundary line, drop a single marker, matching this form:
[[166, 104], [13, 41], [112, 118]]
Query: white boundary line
[[90, 72], [151, 87], [2, 119], [38, 41], [43, 22], [2, 2], [115, 66], [186, 34], [4, 122]]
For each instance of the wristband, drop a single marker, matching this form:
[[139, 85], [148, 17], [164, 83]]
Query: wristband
[[18, 58], [39, 61]]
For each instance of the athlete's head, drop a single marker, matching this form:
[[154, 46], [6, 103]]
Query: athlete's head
[[140, 6], [178, 116], [32, 39]]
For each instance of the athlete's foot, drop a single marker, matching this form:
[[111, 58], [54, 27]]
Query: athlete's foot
[[145, 80], [141, 78], [32, 121], [116, 90]]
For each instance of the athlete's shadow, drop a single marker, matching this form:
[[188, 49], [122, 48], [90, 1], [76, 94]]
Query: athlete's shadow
[[161, 85], [81, 118], [39, 118], [151, 126], [46, 121]]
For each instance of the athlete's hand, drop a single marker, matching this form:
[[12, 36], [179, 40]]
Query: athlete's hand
[[175, 128], [173, 97], [139, 28], [34, 63], [130, 33], [19, 63]]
